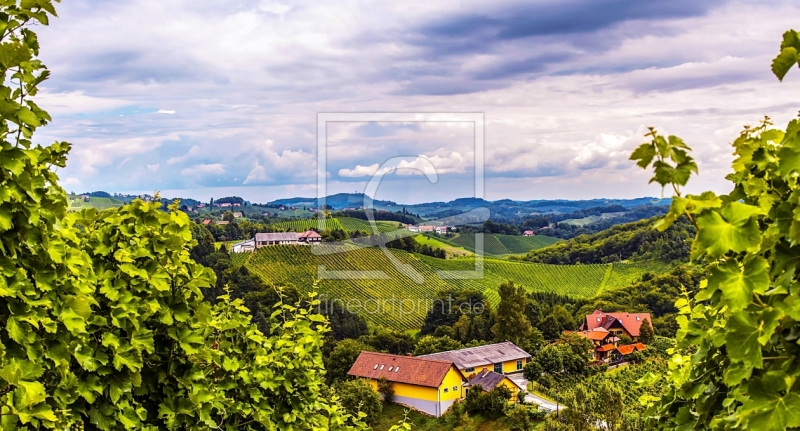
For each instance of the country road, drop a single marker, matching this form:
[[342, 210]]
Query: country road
[[531, 398]]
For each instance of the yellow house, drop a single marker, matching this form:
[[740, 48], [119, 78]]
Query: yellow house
[[488, 380], [428, 385], [502, 358]]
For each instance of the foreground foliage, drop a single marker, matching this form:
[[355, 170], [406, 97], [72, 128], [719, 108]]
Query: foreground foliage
[[743, 322], [102, 317]]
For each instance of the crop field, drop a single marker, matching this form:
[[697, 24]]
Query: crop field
[[498, 245], [399, 299]]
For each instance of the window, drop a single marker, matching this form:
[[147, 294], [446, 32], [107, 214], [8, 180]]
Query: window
[[376, 367], [598, 319], [382, 367], [396, 369], [498, 368], [390, 369], [445, 390], [519, 365], [470, 370], [455, 388], [637, 318]]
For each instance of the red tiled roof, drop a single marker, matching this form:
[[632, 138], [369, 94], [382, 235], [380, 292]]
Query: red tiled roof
[[630, 348], [605, 348], [596, 334], [630, 321], [412, 370], [206, 221], [309, 234]]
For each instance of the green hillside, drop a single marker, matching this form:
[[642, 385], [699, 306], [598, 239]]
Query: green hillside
[[344, 223], [77, 203], [499, 245], [298, 265]]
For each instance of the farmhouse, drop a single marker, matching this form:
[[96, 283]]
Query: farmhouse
[[412, 228], [426, 228], [309, 237], [528, 233], [237, 215], [502, 358], [440, 229], [428, 385], [244, 246], [221, 222], [206, 222], [621, 323], [275, 238], [225, 204], [488, 380]]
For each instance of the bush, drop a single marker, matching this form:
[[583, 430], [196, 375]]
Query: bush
[[386, 389], [358, 397]]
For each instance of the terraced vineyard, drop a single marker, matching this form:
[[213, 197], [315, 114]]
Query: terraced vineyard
[[344, 223], [498, 245], [403, 297]]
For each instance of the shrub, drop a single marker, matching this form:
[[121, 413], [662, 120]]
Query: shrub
[[386, 389]]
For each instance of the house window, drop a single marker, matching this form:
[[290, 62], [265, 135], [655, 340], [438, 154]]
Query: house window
[[396, 369], [390, 369], [382, 367], [498, 368], [455, 388], [376, 367], [446, 390], [519, 365], [470, 370]]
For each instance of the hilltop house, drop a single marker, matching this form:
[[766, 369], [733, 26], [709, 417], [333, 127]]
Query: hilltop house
[[502, 358], [412, 228], [428, 385], [206, 222], [424, 228], [621, 323], [275, 238], [225, 204], [244, 246], [309, 237], [488, 380], [528, 233], [440, 229], [237, 215]]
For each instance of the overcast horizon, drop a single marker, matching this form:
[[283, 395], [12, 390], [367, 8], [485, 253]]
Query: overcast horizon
[[209, 99]]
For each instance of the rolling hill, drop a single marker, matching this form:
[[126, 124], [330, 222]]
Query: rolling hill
[[499, 244], [403, 297]]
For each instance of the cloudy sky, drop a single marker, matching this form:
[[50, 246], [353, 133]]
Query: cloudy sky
[[212, 98]]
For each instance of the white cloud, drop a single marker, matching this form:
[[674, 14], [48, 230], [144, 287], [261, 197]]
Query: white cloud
[[70, 181], [204, 169], [359, 171], [152, 168], [194, 151], [165, 111]]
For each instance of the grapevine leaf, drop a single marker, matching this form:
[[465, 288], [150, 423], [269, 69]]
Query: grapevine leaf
[[784, 61], [644, 154], [731, 229], [768, 410], [739, 284], [746, 334]]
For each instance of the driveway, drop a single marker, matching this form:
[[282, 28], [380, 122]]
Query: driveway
[[531, 398]]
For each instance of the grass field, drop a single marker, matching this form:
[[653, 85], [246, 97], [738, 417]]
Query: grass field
[[403, 296], [450, 249], [500, 245]]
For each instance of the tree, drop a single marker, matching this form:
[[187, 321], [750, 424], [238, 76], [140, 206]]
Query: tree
[[358, 397], [646, 333], [102, 318], [556, 322], [532, 371], [342, 358], [579, 410], [512, 324], [386, 389], [431, 344], [741, 327], [609, 403]]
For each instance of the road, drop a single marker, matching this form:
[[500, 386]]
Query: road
[[531, 398]]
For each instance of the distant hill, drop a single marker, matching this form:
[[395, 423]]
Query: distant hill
[[636, 240]]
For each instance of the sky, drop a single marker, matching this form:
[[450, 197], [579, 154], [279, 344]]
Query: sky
[[205, 99]]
